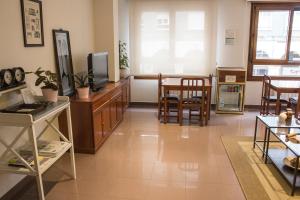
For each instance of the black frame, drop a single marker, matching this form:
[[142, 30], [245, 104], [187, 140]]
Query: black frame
[[26, 44], [64, 90]]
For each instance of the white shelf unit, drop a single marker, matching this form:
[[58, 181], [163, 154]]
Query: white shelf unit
[[28, 123]]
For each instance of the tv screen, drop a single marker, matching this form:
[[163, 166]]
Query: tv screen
[[98, 67]]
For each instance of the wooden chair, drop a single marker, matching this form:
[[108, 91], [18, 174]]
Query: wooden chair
[[208, 101], [295, 105], [193, 97], [167, 103], [267, 99]]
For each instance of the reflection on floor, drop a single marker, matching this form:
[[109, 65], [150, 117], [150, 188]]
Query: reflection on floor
[[147, 160]]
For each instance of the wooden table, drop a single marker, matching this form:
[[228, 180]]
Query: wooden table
[[284, 86], [174, 84]]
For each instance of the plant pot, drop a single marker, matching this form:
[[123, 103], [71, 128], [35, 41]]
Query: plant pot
[[50, 95], [124, 72], [83, 93]]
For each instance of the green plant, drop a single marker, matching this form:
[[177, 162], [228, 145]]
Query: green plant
[[81, 79], [48, 78], [123, 57]]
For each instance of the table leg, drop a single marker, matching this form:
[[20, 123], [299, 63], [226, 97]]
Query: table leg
[[267, 145], [38, 174], [295, 177], [70, 134], [277, 110], [255, 132]]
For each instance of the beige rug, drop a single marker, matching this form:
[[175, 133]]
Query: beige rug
[[259, 181]]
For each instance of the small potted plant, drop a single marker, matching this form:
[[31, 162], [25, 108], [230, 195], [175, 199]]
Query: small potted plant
[[81, 80], [49, 81], [123, 60]]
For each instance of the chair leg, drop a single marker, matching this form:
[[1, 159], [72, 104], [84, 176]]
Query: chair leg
[[159, 111], [180, 115], [165, 111]]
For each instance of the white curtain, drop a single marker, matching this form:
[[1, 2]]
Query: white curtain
[[172, 36]]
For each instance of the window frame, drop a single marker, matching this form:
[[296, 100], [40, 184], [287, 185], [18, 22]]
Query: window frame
[[255, 8]]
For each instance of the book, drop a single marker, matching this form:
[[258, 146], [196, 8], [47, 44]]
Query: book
[[45, 148], [16, 162]]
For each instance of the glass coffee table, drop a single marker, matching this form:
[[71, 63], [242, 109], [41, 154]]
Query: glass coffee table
[[288, 147]]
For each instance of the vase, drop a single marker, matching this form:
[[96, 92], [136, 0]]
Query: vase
[[124, 72], [83, 93], [50, 94]]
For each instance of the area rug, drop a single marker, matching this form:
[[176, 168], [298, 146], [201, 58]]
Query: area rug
[[258, 181]]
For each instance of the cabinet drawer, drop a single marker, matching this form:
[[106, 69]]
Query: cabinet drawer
[[240, 76]]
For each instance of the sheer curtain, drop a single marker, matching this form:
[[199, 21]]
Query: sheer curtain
[[172, 36]]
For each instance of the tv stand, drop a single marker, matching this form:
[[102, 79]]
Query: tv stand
[[94, 119]]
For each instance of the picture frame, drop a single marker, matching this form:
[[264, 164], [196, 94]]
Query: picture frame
[[63, 60], [32, 22]]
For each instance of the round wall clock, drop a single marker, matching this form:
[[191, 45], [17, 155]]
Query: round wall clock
[[19, 74], [6, 76]]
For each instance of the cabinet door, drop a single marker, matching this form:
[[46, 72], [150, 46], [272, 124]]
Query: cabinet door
[[113, 113], [98, 127], [119, 103], [106, 120]]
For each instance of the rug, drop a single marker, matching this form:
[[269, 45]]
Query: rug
[[258, 181]]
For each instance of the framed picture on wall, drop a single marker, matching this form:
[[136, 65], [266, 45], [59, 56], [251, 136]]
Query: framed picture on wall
[[32, 21], [63, 58]]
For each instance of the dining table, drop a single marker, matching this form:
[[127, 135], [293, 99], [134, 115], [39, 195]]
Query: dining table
[[285, 87], [174, 84]]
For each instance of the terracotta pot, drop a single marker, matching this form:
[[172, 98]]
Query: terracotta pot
[[50, 95], [83, 93], [124, 73]]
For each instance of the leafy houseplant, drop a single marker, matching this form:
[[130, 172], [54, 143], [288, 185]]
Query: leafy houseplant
[[49, 81], [82, 84], [123, 60]]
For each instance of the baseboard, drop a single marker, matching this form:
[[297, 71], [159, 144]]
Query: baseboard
[[154, 105]]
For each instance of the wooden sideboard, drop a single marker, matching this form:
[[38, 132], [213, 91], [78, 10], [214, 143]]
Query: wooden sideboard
[[94, 119]]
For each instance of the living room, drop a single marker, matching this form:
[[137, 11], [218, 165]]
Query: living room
[[154, 147]]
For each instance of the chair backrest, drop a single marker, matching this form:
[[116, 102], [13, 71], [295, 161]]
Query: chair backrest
[[266, 90], [159, 86], [192, 89]]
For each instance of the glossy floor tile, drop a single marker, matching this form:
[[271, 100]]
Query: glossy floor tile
[[144, 159]]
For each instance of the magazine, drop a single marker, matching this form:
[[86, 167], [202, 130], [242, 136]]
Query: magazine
[[16, 162], [45, 148]]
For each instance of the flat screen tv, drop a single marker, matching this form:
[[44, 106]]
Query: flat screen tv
[[98, 67]]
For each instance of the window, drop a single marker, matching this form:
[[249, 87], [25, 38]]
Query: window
[[171, 36], [274, 41]]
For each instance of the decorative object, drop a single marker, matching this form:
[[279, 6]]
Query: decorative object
[[123, 60], [49, 79], [32, 21], [10, 78], [63, 58], [81, 79]]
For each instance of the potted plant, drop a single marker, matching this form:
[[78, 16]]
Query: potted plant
[[49, 81], [123, 60], [81, 80]]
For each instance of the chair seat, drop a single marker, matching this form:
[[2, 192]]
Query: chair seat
[[198, 97], [274, 99], [171, 97], [294, 100]]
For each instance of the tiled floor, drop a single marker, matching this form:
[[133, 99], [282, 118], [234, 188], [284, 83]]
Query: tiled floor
[[145, 159]]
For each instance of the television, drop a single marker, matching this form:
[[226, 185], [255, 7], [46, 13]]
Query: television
[[98, 68]]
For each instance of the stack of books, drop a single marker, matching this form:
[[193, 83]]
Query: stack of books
[[46, 150]]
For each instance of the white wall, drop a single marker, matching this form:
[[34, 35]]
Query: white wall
[[231, 14], [75, 16], [106, 33]]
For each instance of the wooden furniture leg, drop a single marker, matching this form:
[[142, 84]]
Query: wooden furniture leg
[[277, 111]]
